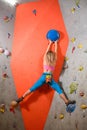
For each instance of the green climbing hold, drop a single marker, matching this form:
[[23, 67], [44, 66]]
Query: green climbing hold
[[73, 87]]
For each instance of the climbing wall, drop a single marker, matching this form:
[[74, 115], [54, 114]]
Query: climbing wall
[[73, 78], [11, 120], [30, 44]]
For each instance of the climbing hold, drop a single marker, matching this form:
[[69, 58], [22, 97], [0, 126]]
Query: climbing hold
[[2, 108], [65, 66], [7, 53], [14, 104], [73, 87], [81, 94], [73, 39], [77, 3], [53, 35], [9, 35], [73, 49], [34, 12], [71, 108], [84, 115], [6, 19], [83, 106], [12, 109], [4, 75], [1, 50], [61, 116], [81, 68], [55, 117], [66, 58], [80, 46], [11, 17], [4, 67], [73, 10]]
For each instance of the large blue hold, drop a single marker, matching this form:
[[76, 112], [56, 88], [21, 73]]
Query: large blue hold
[[71, 108], [53, 35]]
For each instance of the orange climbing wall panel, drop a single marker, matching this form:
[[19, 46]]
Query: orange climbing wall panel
[[29, 45]]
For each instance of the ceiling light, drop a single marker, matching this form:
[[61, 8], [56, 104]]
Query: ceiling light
[[12, 2]]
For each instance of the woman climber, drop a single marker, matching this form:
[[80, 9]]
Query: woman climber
[[49, 63]]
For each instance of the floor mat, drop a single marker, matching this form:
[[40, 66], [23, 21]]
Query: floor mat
[[32, 22]]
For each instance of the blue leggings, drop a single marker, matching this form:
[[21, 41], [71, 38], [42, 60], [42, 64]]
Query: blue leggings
[[42, 80]]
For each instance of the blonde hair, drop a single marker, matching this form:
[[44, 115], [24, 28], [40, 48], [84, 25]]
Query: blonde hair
[[50, 57]]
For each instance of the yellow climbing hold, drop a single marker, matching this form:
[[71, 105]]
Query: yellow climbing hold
[[73, 10], [80, 46], [83, 106], [2, 110], [61, 116], [81, 68], [73, 39], [66, 58]]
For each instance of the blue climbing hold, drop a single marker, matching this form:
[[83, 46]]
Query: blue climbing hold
[[71, 108], [34, 11], [53, 35]]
